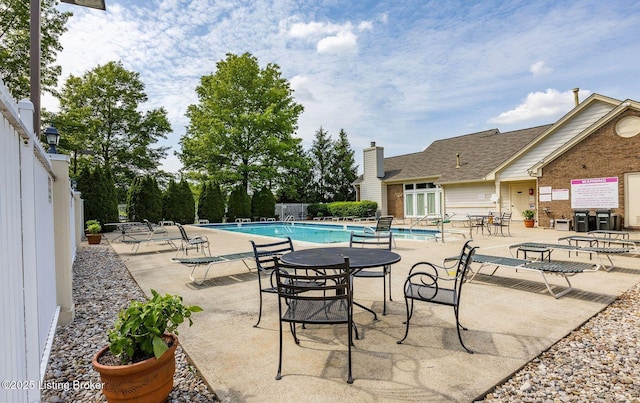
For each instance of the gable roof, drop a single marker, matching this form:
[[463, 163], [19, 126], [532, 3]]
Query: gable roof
[[592, 99], [480, 153], [622, 107]]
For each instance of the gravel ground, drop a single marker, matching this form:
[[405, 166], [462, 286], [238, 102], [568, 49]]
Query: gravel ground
[[102, 286], [597, 362]]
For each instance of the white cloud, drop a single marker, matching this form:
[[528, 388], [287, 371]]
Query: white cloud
[[313, 29], [365, 26], [549, 104], [343, 42], [302, 89], [539, 68]]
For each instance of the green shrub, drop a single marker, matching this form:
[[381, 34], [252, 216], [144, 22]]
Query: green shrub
[[318, 210], [263, 203], [144, 200], [98, 191], [211, 203], [178, 204], [352, 209], [239, 204]]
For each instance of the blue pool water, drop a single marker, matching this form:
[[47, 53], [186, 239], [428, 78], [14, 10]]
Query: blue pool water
[[317, 233]]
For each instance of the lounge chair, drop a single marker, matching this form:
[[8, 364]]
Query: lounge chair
[[544, 267], [197, 241], [210, 261], [598, 251]]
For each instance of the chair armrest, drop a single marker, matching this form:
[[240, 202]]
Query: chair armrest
[[436, 270]]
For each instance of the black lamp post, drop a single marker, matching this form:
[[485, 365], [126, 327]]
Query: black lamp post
[[53, 137]]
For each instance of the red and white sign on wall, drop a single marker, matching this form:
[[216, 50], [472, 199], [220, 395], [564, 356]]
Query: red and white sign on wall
[[594, 193]]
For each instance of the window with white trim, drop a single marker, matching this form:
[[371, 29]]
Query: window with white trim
[[421, 199]]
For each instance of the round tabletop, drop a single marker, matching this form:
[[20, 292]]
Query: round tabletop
[[359, 258]]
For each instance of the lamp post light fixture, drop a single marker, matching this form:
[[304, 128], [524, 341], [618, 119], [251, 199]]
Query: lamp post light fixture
[[98, 4], [34, 51], [53, 137]]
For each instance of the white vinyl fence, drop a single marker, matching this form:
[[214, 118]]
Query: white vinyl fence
[[28, 268], [292, 211]]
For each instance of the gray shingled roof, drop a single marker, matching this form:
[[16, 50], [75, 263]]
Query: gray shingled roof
[[480, 154]]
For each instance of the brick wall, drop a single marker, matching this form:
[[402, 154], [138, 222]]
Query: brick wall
[[395, 204], [602, 154]]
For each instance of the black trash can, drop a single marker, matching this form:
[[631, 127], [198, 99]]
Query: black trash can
[[581, 220], [603, 220], [592, 222]]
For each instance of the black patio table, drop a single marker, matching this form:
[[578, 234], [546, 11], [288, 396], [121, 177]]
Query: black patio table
[[359, 258]]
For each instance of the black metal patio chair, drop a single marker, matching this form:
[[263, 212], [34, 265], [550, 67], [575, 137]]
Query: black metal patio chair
[[434, 284], [263, 255], [319, 295], [383, 226], [381, 241], [499, 224]]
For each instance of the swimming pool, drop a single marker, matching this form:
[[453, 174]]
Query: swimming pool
[[316, 233]]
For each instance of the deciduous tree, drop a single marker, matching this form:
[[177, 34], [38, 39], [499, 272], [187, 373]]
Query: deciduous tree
[[102, 112], [15, 45], [241, 130]]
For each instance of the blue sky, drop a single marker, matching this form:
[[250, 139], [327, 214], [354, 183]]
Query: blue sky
[[400, 73]]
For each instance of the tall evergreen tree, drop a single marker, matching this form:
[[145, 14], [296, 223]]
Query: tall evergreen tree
[[295, 183], [344, 170], [239, 204], [211, 203], [144, 200], [322, 155]]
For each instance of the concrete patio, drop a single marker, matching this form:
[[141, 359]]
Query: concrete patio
[[511, 319]]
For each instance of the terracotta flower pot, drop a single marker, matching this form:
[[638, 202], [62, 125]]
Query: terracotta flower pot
[[94, 239], [146, 381], [529, 223]]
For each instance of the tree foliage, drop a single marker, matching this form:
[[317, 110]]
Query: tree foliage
[[15, 45], [211, 202], [263, 203], [99, 193], [101, 112], [144, 200], [295, 182], [322, 156], [178, 204], [240, 131], [344, 171], [239, 204]]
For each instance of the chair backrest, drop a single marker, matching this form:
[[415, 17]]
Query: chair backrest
[[183, 233], [148, 225], [384, 223], [464, 261], [366, 240], [264, 253], [327, 282], [506, 217]]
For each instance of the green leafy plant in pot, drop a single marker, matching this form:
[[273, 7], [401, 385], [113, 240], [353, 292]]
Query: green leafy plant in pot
[[93, 232], [139, 363], [528, 218]]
